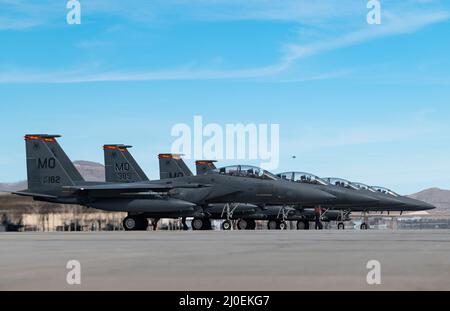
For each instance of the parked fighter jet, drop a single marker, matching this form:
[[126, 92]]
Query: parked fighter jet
[[53, 178], [277, 215], [305, 215], [375, 199], [389, 201], [228, 193]]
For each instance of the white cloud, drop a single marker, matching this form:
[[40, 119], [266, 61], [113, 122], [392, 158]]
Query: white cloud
[[394, 23]]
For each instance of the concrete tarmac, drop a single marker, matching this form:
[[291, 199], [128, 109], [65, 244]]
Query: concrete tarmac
[[259, 260]]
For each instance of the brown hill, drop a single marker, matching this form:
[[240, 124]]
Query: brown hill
[[438, 197], [91, 171]]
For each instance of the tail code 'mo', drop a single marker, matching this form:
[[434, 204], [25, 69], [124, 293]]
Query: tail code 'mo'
[[44, 168], [120, 166], [172, 166]]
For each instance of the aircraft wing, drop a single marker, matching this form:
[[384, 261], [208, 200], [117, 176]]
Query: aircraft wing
[[31, 194], [133, 187]]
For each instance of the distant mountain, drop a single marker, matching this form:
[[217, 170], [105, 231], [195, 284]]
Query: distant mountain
[[438, 197], [9, 187], [91, 171]]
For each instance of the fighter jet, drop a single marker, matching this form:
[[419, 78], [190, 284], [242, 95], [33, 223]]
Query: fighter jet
[[52, 177], [388, 201], [303, 215], [239, 190]]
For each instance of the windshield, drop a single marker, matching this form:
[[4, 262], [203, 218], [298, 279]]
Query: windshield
[[304, 178], [339, 182], [362, 186], [246, 171], [386, 191]]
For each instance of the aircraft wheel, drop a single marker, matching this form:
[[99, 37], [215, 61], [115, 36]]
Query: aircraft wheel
[[272, 225], [341, 226], [131, 223], [364, 226], [251, 225], [198, 224], [282, 225], [302, 225], [242, 224], [226, 225]]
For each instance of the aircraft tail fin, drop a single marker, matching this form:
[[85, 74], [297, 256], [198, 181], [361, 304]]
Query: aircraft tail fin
[[48, 166], [172, 166], [120, 166], [204, 166]]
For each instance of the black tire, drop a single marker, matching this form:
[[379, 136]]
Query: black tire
[[133, 223], [242, 224], [341, 226], [129, 224], [364, 226], [251, 224], [198, 224], [302, 225], [272, 225], [227, 225]]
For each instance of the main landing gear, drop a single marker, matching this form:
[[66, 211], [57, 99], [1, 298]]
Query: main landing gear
[[227, 213], [246, 224], [302, 225], [135, 223], [276, 225], [201, 224], [279, 223]]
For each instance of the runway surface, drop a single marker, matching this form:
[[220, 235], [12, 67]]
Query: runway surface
[[260, 260]]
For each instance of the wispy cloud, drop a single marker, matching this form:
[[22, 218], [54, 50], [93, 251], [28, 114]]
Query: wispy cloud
[[183, 73], [394, 23]]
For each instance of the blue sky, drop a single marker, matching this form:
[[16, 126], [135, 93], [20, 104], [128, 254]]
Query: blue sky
[[366, 102]]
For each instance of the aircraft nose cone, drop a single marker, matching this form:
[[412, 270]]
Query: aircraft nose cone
[[423, 206]]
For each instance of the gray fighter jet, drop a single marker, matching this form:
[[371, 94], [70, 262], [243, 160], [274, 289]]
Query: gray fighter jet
[[389, 201], [52, 177], [278, 215], [252, 188]]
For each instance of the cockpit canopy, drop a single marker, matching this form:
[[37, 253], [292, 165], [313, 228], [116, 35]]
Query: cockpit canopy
[[339, 182], [362, 186], [245, 171], [304, 178], [386, 191]]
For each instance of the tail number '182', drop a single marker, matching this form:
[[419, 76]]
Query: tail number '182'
[[52, 180]]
